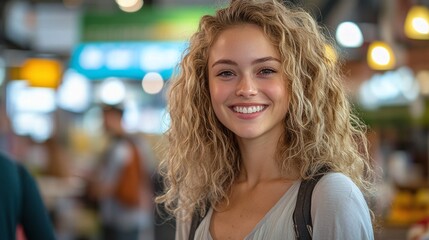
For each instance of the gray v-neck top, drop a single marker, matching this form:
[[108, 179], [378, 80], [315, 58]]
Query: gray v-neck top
[[339, 212], [268, 227]]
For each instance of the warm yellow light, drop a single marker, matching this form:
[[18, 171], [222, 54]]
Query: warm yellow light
[[380, 56], [417, 23], [41, 72]]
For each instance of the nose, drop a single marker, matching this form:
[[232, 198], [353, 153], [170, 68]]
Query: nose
[[246, 87]]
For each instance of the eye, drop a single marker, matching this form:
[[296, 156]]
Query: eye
[[225, 74], [267, 71]]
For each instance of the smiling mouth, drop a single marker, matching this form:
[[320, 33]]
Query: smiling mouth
[[248, 109]]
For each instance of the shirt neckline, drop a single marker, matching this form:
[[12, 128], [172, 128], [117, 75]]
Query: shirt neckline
[[263, 219]]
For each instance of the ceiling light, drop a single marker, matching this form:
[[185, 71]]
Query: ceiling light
[[348, 34], [417, 23], [380, 56]]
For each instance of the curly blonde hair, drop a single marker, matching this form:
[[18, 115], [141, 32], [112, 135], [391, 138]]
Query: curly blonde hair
[[202, 159]]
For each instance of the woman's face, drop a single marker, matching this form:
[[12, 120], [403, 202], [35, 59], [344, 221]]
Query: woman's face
[[248, 91]]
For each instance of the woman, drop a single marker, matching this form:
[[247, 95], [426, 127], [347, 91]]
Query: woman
[[257, 107]]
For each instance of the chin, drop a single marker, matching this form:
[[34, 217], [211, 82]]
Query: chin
[[246, 134]]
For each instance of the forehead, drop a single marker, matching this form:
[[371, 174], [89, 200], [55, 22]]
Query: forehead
[[244, 40]]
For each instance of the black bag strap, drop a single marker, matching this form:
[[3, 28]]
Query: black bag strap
[[302, 214], [196, 220]]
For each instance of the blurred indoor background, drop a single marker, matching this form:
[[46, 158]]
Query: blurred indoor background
[[61, 59]]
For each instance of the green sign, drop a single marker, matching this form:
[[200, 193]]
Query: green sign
[[148, 24]]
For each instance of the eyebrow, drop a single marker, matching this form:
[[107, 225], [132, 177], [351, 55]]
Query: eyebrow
[[259, 60]]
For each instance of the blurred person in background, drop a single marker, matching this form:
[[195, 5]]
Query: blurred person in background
[[258, 107], [21, 204], [121, 182]]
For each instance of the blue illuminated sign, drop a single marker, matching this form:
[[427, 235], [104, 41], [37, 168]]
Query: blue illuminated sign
[[131, 60]]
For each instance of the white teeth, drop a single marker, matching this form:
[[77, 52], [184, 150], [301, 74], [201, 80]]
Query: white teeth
[[249, 110]]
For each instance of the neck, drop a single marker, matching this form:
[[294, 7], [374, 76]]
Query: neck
[[258, 159]]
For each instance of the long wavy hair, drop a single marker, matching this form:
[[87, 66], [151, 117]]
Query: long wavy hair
[[202, 159]]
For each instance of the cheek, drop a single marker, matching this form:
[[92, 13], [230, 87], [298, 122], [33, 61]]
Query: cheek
[[281, 95], [217, 93], [278, 92], [218, 97], [214, 96]]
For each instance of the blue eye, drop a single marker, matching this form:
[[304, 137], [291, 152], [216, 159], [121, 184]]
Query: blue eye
[[267, 71], [225, 74]]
